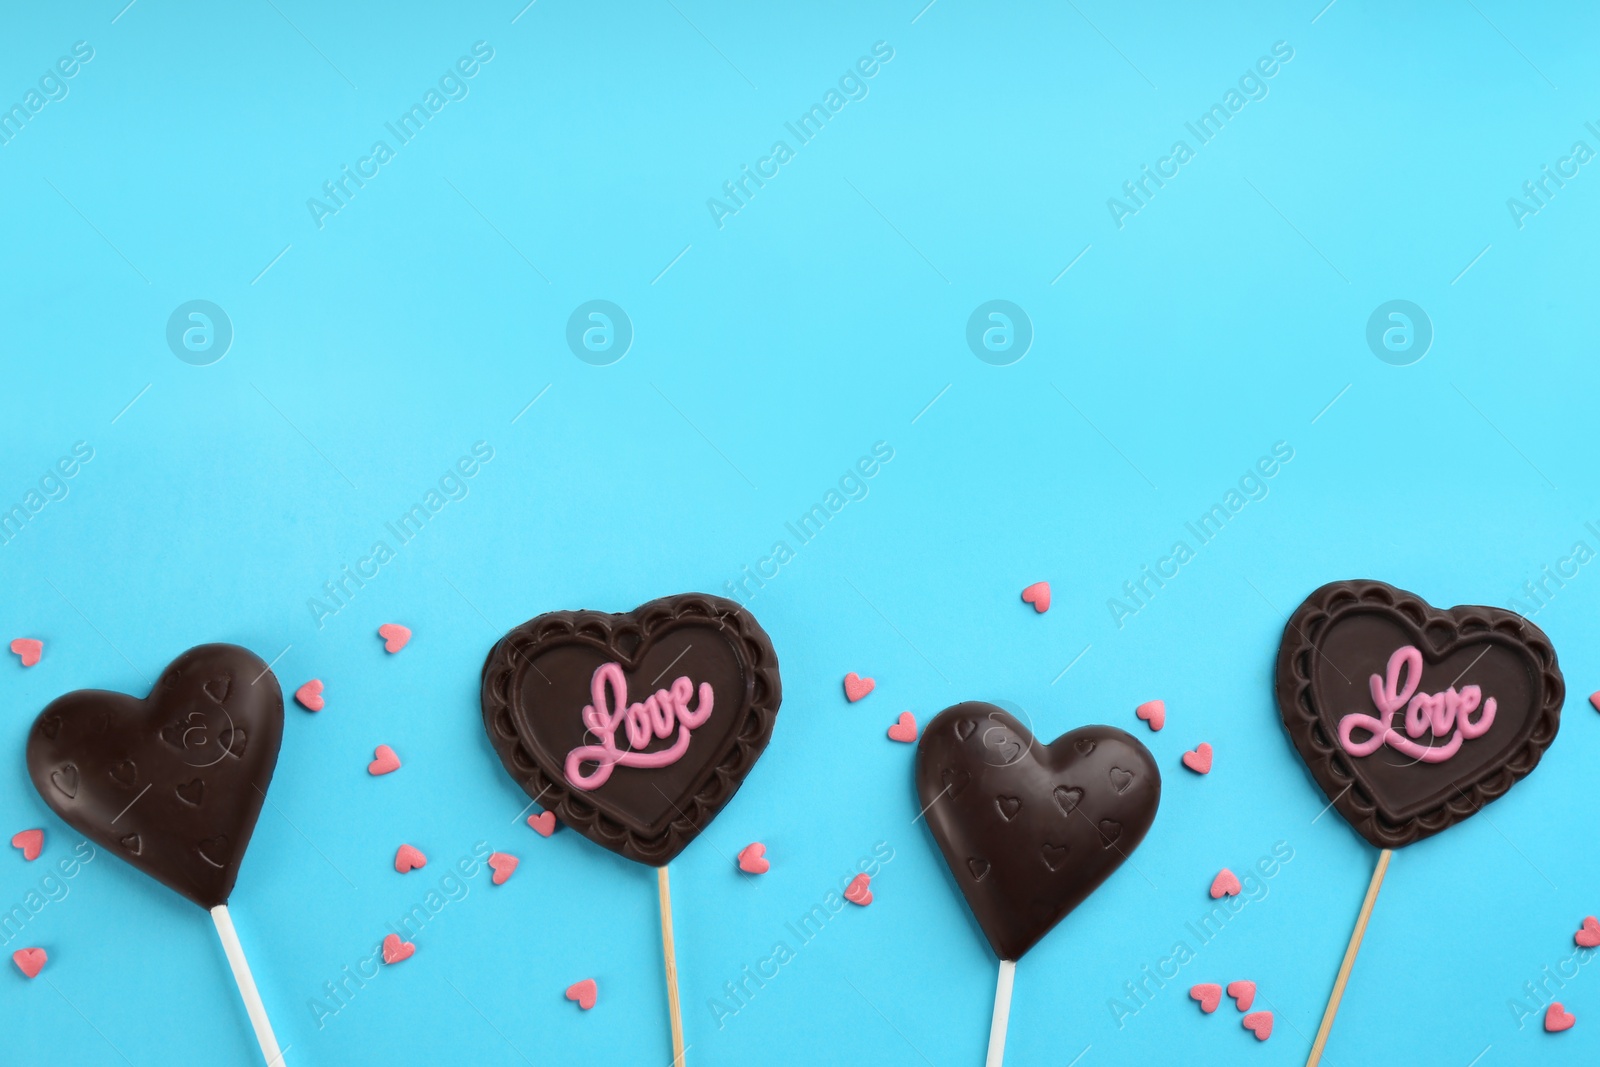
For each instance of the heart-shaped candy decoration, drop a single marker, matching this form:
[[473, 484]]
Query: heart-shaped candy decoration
[[1199, 761], [1030, 830], [583, 992], [1588, 936], [1225, 884], [395, 950], [1209, 994], [1412, 718], [29, 649], [407, 858], [395, 637], [31, 842], [504, 865], [752, 859], [30, 961], [904, 730], [172, 783], [1260, 1024], [1556, 1018], [1038, 594], [635, 729], [544, 823], [384, 761], [310, 695], [1243, 993], [859, 891], [856, 687], [1153, 712]]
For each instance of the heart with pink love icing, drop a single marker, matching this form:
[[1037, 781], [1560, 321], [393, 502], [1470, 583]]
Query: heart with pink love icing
[[635, 729], [1412, 718]]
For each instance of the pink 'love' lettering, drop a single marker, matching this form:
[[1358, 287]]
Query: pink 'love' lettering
[[1435, 713], [654, 718]]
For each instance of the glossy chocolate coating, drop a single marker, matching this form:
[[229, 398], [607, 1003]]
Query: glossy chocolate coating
[[1344, 634], [172, 783], [1030, 830], [537, 681]]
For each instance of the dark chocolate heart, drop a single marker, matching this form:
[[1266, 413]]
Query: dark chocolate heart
[[172, 783], [666, 773], [1030, 830], [1404, 753]]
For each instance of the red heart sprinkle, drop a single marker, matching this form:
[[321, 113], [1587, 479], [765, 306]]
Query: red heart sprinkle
[[30, 961], [395, 950], [544, 822], [30, 651], [750, 859], [502, 864], [856, 687], [1556, 1018], [384, 762], [1588, 936], [1209, 994], [31, 842], [857, 892], [394, 637], [1038, 594], [310, 695], [583, 992], [1260, 1024], [1225, 884], [1243, 993], [1199, 761], [1153, 712], [407, 858], [905, 729]]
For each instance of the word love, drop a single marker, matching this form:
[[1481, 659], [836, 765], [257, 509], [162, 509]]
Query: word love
[[656, 717], [1435, 713]]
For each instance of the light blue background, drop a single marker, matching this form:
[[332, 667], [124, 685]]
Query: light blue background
[[824, 317]]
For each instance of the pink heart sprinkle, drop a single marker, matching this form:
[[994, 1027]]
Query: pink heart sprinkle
[[750, 859], [905, 729], [1260, 1024], [407, 858], [1225, 884], [1556, 1018], [310, 695], [1209, 994], [395, 950], [1588, 936], [1243, 993], [1038, 594], [30, 651], [856, 687], [857, 892], [384, 762], [1594, 698], [31, 842], [583, 992], [1154, 712], [394, 637], [1199, 761], [30, 961], [543, 823], [503, 864]]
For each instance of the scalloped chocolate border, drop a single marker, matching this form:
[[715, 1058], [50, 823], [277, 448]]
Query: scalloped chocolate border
[[1329, 764], [549, 788]]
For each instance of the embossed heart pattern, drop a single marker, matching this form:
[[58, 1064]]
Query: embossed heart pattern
[[1030, 830]]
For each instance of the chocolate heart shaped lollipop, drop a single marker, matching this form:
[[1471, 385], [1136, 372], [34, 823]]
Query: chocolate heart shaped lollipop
[[635, 729], [1412, 718], [1030, 830], [172, 783]]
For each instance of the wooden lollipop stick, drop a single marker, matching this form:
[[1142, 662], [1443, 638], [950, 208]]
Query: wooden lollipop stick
[[670, 954], [247, 986], [1349, 958], [1002, 1014]]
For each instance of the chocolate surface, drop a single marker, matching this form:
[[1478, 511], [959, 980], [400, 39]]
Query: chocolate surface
[[1030, 830], [172, 783], [1342, 666], [539, 689]]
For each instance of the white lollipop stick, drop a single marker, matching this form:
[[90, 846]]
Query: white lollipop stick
[[1002, 1014], [247, 985]]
